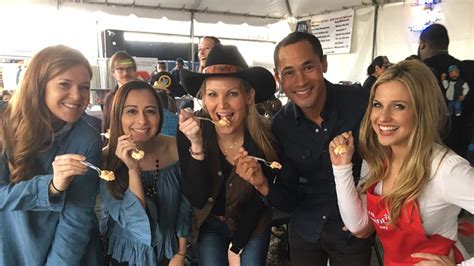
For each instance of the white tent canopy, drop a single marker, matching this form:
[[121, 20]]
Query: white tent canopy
[[254, 12], [78, 24]]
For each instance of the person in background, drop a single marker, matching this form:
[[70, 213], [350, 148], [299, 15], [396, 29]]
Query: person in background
[[317, 111], [456, 90], [124, 69], [231, 223], [170, 119], [205, 46], [149, 218], [375, 69], [177, 68], [433, 50], [160, 67], [47, 195], [6, 96], [413, 187]]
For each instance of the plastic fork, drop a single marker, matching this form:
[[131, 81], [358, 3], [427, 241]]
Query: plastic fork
[[189, 110], [272, 165], [88, 164], [207, 119]]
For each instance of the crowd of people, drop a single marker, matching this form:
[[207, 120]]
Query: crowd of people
[[345, 162]]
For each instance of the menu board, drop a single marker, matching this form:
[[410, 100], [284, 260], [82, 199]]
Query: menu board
[[334, 31]]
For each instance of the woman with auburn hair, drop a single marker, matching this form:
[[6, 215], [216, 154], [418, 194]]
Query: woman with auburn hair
[[149, 218], [47, 195], [413, 187], [230, 221]]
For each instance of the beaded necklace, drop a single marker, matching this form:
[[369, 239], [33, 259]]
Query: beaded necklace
[[151, 190]]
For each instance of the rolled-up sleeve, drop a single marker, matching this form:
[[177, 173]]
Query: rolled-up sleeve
[[128, 213], [76, 223], [183, 222]]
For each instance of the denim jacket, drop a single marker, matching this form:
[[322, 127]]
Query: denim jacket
[[38, 229]]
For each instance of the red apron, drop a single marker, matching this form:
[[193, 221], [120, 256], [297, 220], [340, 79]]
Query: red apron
[[407, 236]]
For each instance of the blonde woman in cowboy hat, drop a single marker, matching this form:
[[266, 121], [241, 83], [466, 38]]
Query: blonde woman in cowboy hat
[[230, 221]]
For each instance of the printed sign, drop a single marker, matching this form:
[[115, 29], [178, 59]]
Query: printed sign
[[334, 31]]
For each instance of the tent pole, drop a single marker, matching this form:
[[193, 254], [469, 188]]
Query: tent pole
[[376, 16], [191, 34]]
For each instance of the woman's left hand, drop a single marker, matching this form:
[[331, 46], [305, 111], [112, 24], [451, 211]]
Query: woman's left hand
[[249, 169], [234, 259], [434, 259], [177, 260]]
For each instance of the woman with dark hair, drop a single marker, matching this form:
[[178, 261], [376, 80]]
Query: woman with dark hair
[[149, 219], [374, 70], [231, 222], [47, 195]]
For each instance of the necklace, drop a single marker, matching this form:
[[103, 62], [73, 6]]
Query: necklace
[[232, 146], [151, 190]]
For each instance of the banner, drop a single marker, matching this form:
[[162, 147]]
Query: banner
[[334, 31]]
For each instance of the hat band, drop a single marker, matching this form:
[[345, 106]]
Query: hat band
[[221, 69]]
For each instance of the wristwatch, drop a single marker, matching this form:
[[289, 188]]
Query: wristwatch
[[235, 249]]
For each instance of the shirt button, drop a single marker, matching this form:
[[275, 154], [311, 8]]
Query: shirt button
[[316, 130], [219, 173], [324, 217], [210, 199], [230, 184]]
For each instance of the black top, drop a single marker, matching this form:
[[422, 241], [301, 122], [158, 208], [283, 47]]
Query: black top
[[306, 183], [176, 90], [197, 182], [368, 83], [219, 207]]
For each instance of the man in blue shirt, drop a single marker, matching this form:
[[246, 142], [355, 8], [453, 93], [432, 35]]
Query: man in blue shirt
[[317, 112]]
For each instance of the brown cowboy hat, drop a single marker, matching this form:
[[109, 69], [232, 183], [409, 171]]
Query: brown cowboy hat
[[226, 61]]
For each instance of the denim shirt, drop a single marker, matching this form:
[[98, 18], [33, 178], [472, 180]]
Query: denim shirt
[[305, 186], [145, 236], [38, 229]]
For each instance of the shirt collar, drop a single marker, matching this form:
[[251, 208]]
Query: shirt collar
[[328, 105]]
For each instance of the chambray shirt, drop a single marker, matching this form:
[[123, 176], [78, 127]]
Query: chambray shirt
[[142, 236], [305, 186], [170, 123], [38, 229]]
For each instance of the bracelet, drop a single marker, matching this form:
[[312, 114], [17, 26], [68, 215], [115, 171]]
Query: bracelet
[[196, 153], [181, 254], [55, 188]]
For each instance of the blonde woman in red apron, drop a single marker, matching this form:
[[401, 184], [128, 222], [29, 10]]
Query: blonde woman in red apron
[[412, 187]]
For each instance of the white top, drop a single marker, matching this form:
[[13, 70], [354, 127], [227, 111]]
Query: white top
[[450, 189]]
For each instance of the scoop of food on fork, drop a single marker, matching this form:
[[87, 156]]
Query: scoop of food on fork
[[223, 122]]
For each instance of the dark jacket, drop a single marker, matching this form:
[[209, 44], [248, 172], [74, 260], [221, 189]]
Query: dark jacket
[[245, 212]]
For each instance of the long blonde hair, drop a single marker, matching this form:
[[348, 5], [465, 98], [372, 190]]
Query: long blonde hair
[[430, 118], [26, 124], [258, 126]]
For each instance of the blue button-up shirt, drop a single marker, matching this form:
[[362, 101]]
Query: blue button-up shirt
[[38, 229], [305, 186]]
